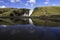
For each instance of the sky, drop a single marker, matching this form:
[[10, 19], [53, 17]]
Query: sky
[[31, 4]]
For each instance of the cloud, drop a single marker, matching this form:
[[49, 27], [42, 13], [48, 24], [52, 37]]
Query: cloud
[[13, 1], [2, 1], [3, 6], [30, 3], [26, 4], [54, 4], [18, 0], [46, 2]]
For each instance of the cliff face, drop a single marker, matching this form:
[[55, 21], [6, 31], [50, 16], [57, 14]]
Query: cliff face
[[46, 11], [5, 12]]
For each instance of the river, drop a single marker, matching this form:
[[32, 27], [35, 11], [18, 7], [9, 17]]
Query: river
[[29, 29]]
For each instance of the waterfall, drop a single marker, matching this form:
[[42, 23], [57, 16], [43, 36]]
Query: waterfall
[[25, 14], [30, 12], [30, 21]]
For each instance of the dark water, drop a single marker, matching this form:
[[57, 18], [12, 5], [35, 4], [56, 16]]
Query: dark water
[[29, 29]]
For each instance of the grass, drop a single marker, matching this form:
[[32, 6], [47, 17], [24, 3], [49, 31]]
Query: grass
[[5, 12], [47, 11]]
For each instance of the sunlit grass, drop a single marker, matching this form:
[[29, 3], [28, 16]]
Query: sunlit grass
[[48, 10]]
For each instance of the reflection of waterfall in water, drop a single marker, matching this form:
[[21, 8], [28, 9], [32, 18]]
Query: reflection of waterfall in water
[[4, 25], [30, 21], [30, 12]]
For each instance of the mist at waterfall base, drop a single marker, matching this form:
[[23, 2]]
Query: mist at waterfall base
[[29, 29]]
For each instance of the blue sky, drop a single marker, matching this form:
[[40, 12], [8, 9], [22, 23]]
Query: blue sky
[[28, 3]]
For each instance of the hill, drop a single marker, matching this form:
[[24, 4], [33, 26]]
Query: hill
[[47, 11], [5, 12]]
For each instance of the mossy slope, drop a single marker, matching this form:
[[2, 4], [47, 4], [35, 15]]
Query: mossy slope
[[46, 11], [5, 12]]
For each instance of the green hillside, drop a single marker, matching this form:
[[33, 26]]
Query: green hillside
[[5, 12], [46, 11]]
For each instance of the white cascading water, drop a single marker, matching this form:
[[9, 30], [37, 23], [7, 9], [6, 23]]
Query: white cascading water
[[25, 14], [30, 12], [30, 21]]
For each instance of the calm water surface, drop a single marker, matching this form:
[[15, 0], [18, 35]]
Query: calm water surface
[[29, 29]]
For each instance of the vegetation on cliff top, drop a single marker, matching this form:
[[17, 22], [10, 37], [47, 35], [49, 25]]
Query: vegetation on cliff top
[[5, 12], [47, 11]]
